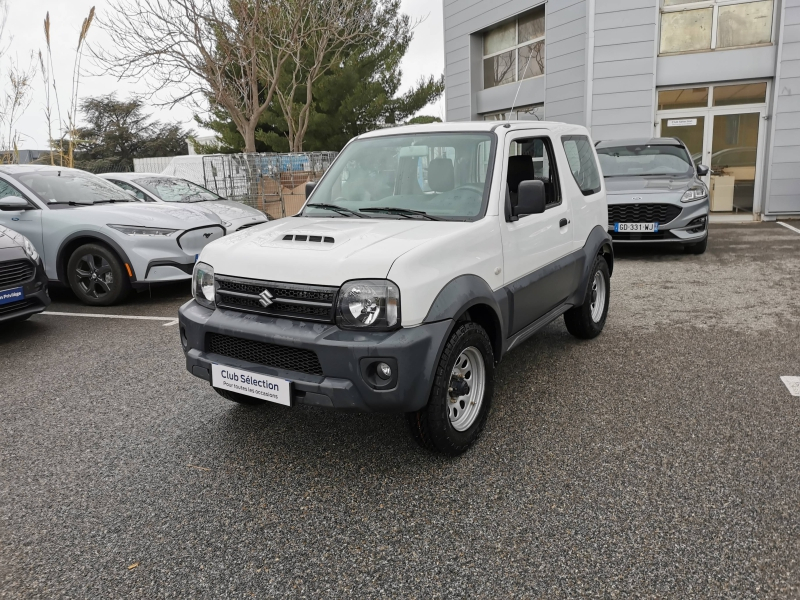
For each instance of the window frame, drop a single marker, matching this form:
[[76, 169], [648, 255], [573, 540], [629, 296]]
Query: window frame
[[549, 147], [515, 48], [709, 105], [715, 5]]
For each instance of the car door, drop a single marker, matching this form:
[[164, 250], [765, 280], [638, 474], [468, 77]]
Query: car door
[[538, 272], [27, 222]]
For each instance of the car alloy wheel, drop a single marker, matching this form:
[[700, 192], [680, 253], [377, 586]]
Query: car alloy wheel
[[95, 277]]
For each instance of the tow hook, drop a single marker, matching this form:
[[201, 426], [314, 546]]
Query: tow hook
[[458, 387]]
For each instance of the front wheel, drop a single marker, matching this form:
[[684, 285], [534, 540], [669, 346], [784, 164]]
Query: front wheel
[[587, 320], [96, 276], [698, 248], [461, 397]]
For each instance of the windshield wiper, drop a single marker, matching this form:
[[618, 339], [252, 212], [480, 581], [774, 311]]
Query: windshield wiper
[[340, 209], [112, 201], [403, 212]]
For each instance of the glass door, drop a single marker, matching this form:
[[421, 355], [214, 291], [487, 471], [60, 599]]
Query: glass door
[[690, 130], [734, 161]]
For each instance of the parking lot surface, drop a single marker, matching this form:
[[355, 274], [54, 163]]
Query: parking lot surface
[[659, 460]]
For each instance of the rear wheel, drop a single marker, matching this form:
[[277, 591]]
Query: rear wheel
[[587, 320], [698, 248], [461, 397], [96, 275]]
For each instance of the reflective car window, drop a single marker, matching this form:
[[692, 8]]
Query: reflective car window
[[620, 161], [71, 186], [176, 190]]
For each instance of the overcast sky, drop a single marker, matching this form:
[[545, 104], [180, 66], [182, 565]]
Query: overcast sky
[[25, 28]]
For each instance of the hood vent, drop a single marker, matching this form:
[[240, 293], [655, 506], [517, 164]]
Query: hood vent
[[308, 238]]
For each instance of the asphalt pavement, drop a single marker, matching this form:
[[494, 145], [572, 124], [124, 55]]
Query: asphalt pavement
[[659, 460]]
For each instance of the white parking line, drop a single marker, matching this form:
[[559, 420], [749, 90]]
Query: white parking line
[[170, 320], [792, 384], [795, 229]]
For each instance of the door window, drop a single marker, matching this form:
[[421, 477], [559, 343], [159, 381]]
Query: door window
[[6, 189], [580, 156], [734, 145], [531, 159], [690, 131]]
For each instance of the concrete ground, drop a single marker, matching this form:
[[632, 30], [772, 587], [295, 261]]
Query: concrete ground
[[659, 460]]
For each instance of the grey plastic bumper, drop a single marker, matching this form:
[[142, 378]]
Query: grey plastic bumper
[[676, 230], [341, 353]]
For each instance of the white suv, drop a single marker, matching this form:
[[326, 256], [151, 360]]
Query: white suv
[[422, 256]]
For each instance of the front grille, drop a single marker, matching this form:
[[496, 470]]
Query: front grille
[[262, 353], [15, 306], [15, 271], [310, 302], [642, 213]]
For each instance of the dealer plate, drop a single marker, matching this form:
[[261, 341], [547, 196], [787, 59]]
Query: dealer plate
[[263, 387], [13, 295], [636, 227]]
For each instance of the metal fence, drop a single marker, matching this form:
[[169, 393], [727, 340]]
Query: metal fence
[[273, 183]]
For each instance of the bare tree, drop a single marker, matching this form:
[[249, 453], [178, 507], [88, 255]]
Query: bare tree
[[325, 31], [223, 51]]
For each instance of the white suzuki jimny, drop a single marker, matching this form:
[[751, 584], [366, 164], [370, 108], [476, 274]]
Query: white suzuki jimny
[[422, 256]]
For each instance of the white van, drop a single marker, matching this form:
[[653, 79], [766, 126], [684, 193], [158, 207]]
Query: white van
[[421, 257]]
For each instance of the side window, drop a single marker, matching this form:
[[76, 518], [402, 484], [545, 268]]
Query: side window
[[6, 189], [580, 157], [129, 188], [531, 158]]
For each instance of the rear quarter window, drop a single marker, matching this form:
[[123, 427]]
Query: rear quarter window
[[582, 164]]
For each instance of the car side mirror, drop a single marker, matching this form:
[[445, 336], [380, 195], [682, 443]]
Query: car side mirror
[[310, 185], [702, 170], [530, 198], [13, 203]]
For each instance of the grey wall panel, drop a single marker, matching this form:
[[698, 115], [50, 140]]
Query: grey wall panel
[[630, 83], [618, 132], [553, 111], [556, 78], [565, 15], [787, 120], [623, 51], [621, 5], [636, 33], [625, 18], [555, 48], [619, 68], [613, 116], [622, 100], [708, 67], [531, 91], [484, 15], [784, 171], [788, 154], [785, 204], [565, 92], [568, 61], [565, 79]]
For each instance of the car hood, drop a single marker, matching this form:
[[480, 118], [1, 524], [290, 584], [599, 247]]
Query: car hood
[[228, 210], [627, 187], [360, 248], [147, 215]]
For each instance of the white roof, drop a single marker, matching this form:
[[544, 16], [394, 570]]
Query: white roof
[[477, 126]]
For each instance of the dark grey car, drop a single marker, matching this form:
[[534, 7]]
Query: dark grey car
[[654, 193]]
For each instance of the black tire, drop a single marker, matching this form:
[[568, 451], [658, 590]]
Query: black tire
[[240, 398], [97, 276], [698, 248], [579, 319], [431, 426]]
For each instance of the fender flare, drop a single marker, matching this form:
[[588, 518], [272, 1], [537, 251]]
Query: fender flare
[[598, 242], [96, 235]]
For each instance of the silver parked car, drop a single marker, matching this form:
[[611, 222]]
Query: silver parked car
[[655, 193], [97, 238], [150, 187]]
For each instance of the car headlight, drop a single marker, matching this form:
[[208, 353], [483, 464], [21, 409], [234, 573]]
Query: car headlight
[[697, 192], [25, 243], [369, 303], [203, 288], [136, 230]]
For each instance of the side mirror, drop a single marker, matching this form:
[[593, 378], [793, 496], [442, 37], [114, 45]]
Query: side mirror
[[702, 170], [14, 203], [530, 198], [310, 185]]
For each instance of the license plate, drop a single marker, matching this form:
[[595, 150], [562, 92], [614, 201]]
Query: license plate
[[263, 387], [13, 295], [635, 227]]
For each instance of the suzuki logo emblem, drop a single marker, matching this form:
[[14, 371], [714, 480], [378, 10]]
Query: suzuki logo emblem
[[265, 298], [206, 235]]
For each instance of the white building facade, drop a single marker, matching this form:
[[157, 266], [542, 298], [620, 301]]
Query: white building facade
[[722, 75]]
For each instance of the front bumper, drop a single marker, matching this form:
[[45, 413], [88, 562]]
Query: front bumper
[[35, 300], [344, 357], [683, 229]]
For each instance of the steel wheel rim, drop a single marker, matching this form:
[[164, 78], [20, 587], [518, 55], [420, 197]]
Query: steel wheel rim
[[95, 277], [598, 303], [463, 409]]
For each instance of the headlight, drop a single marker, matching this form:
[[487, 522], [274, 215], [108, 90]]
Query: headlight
[[698, 192], [135, 230], [372, 303], [203, 288], [25, 243]]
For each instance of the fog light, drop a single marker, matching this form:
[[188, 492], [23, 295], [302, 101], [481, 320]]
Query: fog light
[[384, 371]]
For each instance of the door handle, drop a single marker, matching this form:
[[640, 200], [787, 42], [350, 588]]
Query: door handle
[[563, 223]]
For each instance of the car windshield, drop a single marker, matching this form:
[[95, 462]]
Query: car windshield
[[72, 187], [176, 190], [648, 159], [415, 176]]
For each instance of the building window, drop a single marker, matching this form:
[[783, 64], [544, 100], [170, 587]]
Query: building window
[[718, 95], [696, 25], [515, 50], [534, 112]]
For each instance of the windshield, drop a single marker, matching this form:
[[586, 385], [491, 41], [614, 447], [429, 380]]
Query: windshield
[[621, 161], [176, 190], [426, 175], [68, 186]]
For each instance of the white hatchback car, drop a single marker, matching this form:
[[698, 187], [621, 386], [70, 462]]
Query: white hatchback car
[[422, 256], [151, 187]]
